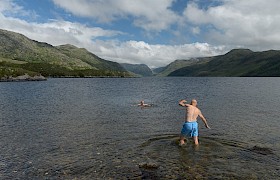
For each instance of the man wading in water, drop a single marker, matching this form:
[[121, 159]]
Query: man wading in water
[[190, 127]]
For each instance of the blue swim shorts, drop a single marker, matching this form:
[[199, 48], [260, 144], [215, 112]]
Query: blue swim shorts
[[190, 129]]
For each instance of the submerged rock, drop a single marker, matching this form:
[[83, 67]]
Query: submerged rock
[[261, 150], [149, 170], [148, 165]]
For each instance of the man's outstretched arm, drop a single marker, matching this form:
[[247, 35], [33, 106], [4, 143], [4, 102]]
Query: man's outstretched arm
[[204, 120], [182, 103]]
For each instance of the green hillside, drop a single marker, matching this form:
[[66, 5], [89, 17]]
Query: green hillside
[[19, 54], [140, 70], [237, 62], [91, 59], [178, 64]]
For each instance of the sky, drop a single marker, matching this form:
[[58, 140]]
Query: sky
[[151, 32]]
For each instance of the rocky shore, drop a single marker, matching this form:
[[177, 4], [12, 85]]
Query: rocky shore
[[25, 77]]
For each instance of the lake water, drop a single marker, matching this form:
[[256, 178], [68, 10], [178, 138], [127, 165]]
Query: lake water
[[93, 129]]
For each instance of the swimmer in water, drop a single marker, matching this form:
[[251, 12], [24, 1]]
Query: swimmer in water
[[190, 127], [142, 104]]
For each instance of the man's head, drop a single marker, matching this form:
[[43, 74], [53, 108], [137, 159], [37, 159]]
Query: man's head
[[194, 102]]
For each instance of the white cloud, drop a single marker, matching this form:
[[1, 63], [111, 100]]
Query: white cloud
[[137, 52], [252, 23], [56, 32], [196, 30], [10, 8], [150, 15]]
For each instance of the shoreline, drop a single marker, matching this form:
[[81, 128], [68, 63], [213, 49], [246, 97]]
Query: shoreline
[[23, 78], [26, 77]]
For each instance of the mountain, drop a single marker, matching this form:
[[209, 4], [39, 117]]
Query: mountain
[[237, 62], [158, 70], [87, 57], [140, 70], [19, 55], [177, 64]]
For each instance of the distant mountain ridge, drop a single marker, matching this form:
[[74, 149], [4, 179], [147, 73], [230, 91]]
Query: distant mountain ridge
[[140, 70], [236, 63], [177, 64], [20, 55]]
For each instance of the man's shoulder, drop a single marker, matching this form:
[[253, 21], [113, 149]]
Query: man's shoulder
[[197, 109]]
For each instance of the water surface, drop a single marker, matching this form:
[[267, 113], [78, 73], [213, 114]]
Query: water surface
[[92, 129]]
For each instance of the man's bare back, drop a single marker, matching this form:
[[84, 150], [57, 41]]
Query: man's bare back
[[191, 113]]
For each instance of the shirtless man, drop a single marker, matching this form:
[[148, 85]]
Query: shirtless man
[[190, 127]]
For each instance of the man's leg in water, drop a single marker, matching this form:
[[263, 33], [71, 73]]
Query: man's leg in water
[[182, 139], [195, 139]]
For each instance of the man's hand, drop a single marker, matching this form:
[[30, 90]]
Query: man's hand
[[206, 125], [182, 102]]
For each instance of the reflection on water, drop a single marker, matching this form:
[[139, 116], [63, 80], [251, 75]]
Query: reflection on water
[[93, 129]]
